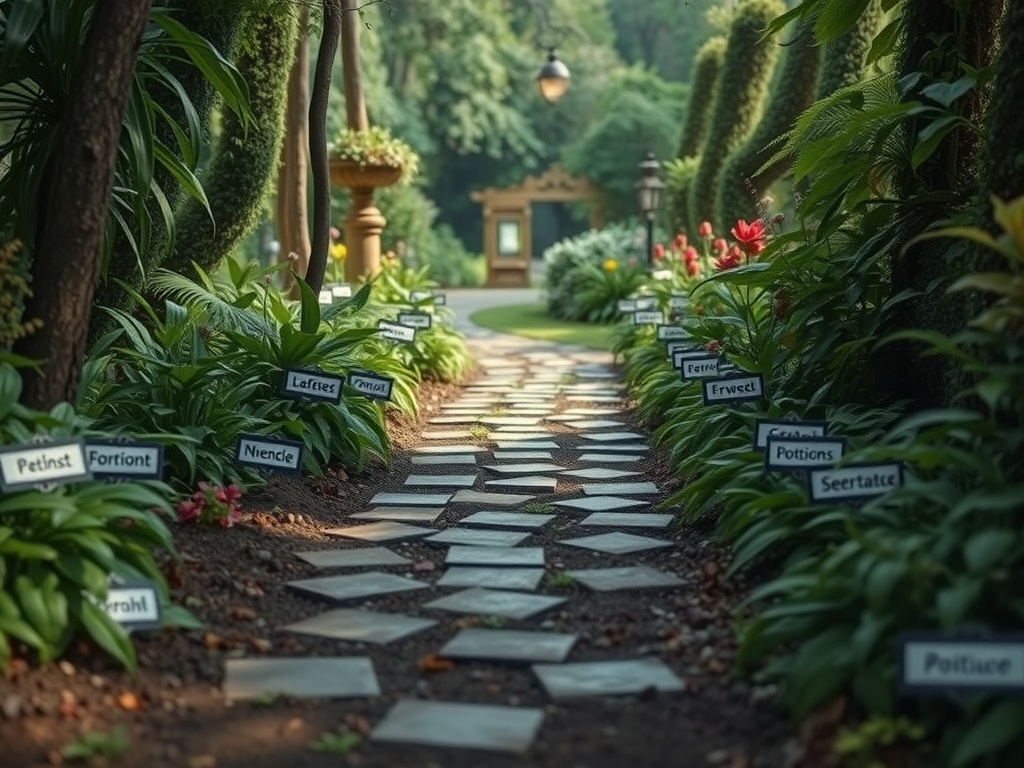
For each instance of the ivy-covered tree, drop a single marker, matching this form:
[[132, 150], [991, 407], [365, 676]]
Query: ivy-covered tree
[[755, 165], [739, 96], [844, 58], [707, 65]]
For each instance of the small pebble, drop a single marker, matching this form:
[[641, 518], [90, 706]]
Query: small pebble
[[11, 705], [263, 554], [66, 667]]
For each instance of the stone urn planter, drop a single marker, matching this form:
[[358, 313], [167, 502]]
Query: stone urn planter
[[353, 175]]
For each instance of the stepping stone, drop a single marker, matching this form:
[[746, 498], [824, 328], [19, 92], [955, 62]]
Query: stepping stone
[[405, 514], [625, 447], [519, 436], [509, 421], [500, 432], [449, 449], [523, 579], [519, 456], [543, 445], [606, 437], [507, 519], [445, 459], [594, 399], [512, 469], [546, 484], [318, 678], [499, 499], [598, 473], [610, 458], [356, 585], [495, 602], [352, 558], [467, 726], [627, 520], [625, 489], [385, 530], [522, 557], [476, 538], [456, 481], [629, 577], [617, 543], [445, 434], [595, 424], [360, 626], [568, 419], [606, 678], [592, 411], [508, 645], [456, 419], [411, 499], [601, 503]]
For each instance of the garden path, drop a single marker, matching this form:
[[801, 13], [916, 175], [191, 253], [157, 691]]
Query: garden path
[[566, 624]]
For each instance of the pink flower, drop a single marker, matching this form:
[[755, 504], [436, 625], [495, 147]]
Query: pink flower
[[188, 511], [749, 237], [690, 255], [720, 246], [705, 230], [659, 252], [732, 259], [692, 268], [680, 242]]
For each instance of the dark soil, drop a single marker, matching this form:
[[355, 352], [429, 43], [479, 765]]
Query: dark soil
[[233, 580]]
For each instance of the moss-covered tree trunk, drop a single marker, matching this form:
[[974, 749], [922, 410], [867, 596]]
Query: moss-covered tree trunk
[[745, 177], [843, 59], [1003, 173], [242, 170], [940, 188], [707, 65], [739, 95]]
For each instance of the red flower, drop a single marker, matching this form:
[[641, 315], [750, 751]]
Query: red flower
[[732, 259], [690, 254], [705, 230], [680, 242], [720, 246], [659, 252], [749, 237], [692, 268], [712, 347]]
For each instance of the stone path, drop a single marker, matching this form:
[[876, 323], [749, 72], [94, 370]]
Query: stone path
[[508, 486]]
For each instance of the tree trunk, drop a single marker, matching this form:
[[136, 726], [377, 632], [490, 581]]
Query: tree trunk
[[355, 102], [66, 264], [292, 182], [319, 163]]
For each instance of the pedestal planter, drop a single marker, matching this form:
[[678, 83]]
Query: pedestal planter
[[364, 222]]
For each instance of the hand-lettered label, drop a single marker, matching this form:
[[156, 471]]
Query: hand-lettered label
[[415, 319], [669, 333], [626, 306], [343, 291], [786, 453], [134, 605], [371, 385], [645, 303], [934, 662], [765, 428], [686, 353], [315, 385], [705, 367], [269, 453], [110, 459], [648, 318], [734, 389], [854, 482], [396, 332], [26, 466]]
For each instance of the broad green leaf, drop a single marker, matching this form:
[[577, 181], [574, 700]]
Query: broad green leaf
[[997, 728]]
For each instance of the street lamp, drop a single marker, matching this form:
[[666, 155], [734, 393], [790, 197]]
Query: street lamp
[[649, 190], [553, 78]]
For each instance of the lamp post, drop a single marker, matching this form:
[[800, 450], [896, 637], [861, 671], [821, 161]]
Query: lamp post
[[649, 190], [553, 78]]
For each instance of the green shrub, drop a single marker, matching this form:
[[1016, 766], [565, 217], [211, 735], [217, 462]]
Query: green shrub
[[844, 59], [679, 175], [707, 65], [739, 94]]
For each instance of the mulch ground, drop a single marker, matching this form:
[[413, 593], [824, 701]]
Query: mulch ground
[[233, 580]]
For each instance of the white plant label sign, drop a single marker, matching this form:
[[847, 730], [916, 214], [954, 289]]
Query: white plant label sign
[[315, 385], [371, 385], [27, 466], [855, 482], [269, 453]]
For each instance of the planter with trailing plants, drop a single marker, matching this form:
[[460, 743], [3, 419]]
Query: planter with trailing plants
[[370, 159]]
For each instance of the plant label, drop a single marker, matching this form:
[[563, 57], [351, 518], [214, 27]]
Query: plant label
[[134, 605], [734, 389], [669, 333], [765, 428], [371, 385], [315, 385], [644, 303], [626, 306], [269, 453], [677, 303], [325, 297], [687, 353], [950, 664], [343, 291], [440, 299], [396, 332], [857, 481], [26, 466], [110, 460], [648, 318], [415, 297], [788, 453], [415, 319], [704, 367]]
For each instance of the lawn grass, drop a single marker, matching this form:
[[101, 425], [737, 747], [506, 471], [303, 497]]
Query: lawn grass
[[534, 322]]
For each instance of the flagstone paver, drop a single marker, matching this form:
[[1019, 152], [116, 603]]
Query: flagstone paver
[[469, 726], [617, 543], [352, 558], [478, 538], [595, 424], [519, 456], [501, 519], [514, 469], [483, 497], [629, 577], [402, 514], [624, 489], [625, 447], [453, 481], [606, 678], [610, 458], [327, 677], [510, 445], [521, 557], [508, 645], [533, 483], [601, 503], [444, 459], [495, 602], [461, 448], [357, 585], [489, 577], [599, 473], [383, 530], [627, 520], [360, 626], [411, 499]]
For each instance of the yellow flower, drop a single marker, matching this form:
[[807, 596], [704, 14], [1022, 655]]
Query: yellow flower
[[1010, 216], [339, 252], [610, 265]]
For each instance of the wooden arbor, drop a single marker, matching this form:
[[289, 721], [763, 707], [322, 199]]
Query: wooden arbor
[[507, 220]]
